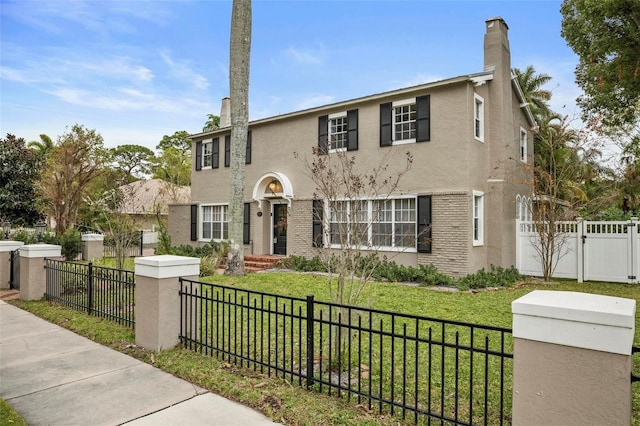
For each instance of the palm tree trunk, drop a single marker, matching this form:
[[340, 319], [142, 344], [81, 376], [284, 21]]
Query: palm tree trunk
[[240, 51]]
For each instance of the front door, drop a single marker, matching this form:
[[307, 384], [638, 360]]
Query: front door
[[280, 229]]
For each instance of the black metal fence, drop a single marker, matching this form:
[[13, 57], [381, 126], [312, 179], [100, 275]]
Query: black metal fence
[[14, 269], [132, 245], [636, 362], [98, 290], [422, 369]]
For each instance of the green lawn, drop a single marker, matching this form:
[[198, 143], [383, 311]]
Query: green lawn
[[288, 403]]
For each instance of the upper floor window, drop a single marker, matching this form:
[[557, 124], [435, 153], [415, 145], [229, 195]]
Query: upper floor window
[[478, 218], [215, 225], [478, 118], [337, 132], [523, 145], [405, 121], [207, 154], [338, 126]]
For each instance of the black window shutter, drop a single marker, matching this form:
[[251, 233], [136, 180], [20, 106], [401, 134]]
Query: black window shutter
[[385, 124], [318, 234], [247, 158], [194, 222], [423, 118], [246, 222], [227, 150], [424, 224], [352, 130], [198, 155], [323, 134], [215, 153]]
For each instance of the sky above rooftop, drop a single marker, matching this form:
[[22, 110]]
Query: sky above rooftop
[[137, 70]]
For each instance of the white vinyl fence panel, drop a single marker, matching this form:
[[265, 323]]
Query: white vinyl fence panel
[[591, 251]]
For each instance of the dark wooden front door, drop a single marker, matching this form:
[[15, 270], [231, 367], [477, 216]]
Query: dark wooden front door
[[280, 229]]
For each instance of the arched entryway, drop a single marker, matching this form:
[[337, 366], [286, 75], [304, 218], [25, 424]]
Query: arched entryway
[[273, 194]]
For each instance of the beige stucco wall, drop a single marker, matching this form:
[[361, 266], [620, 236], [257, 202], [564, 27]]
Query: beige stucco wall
[[179, 224], [562, 377], [450, 166]]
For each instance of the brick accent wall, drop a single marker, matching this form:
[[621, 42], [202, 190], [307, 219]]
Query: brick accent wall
[[451, 234], [300, 232]]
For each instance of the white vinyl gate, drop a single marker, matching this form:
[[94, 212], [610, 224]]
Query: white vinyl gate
[[589, 251]]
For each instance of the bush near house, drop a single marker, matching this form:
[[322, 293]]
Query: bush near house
[[424, 275]]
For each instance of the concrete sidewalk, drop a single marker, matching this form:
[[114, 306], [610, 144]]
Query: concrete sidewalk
[[52, 376]]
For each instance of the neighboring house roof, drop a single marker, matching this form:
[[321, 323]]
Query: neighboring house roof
[[145, 196]]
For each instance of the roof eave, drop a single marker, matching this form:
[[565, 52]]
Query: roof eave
[[473, 78]]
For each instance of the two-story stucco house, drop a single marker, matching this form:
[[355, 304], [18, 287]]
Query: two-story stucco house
[[470, 138]]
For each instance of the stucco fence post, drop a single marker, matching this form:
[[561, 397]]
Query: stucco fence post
[[572, 359], [158, 299], [6, 247], [33, 275], [92, 246]]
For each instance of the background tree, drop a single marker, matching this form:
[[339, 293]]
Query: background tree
[[240, 52], [76, 161], [43, 147], [213, 123], [19, 170], [133, 161], [179, 141], [606, 37], [172, 164]]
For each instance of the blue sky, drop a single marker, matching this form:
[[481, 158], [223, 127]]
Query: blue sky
[[138, 70]]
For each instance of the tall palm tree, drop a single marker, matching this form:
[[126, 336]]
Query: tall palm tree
[[43, 147], [531, 84], [240, 49]]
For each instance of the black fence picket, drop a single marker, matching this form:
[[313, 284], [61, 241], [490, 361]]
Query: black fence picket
[[419, 368], [98, 290]]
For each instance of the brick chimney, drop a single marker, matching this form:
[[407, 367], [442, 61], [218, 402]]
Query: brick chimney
[[225, 113]]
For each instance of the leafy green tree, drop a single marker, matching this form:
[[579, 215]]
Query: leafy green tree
[[19, 170], [76, 161], [606, 37], [179, 141], [239, 58], [213, 123], [133, 161]]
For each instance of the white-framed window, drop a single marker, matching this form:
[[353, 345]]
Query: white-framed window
[[338, 125], [404, 121], [215, 222], [207, 155], [523, 208], [478, 218], [388, 224], [478, 118], [523, 145]]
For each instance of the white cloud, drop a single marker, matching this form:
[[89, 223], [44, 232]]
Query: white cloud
[[312, 101], [182, 70], [308, 56], [415, 80]]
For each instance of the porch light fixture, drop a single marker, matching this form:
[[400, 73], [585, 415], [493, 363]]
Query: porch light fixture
[[6, 227], [40, 227], [275, 187]]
